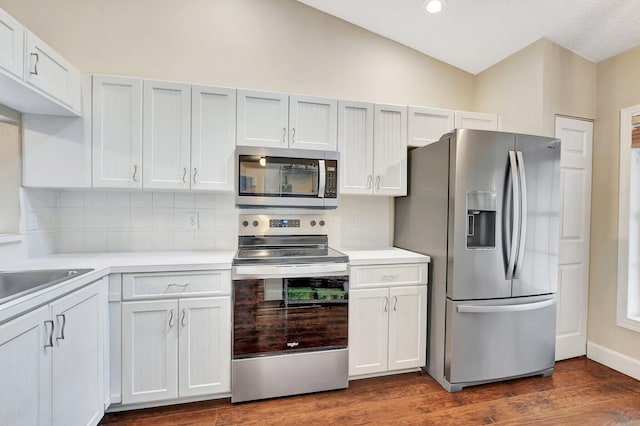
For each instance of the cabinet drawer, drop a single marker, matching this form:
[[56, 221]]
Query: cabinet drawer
[[388, 275], [171, 284]]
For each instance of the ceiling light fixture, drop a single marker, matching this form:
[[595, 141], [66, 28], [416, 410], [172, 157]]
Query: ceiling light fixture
[[434, 6]]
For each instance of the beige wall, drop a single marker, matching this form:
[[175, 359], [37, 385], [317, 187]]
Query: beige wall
[[10, 177], [531, 86], [279, 45], [617, 88]]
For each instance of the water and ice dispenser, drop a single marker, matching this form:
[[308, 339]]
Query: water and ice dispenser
[[481, 220]]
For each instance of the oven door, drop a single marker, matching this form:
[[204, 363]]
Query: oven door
[[279, 315]]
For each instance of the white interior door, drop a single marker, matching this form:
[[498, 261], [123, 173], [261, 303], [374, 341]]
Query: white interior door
[[575, 218]]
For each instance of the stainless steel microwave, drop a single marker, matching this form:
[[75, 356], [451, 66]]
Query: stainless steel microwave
[[278, 177]]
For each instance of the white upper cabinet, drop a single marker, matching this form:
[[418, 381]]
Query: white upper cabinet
[[263, 119], [11, 45], [213, 135], [166, 135], [390, 150], [355, 144], [313, 123], [426, 125], [277, 120], [476, 120], [50, 72], [117, 132]]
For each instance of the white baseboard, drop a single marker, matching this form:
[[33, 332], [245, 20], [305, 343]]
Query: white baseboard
[[615, 360]]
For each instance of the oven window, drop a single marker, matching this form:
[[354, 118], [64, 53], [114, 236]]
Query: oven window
[[278, 176], [289, 314]]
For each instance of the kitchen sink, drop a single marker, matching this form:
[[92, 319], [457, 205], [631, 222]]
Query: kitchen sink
[[15, 284]]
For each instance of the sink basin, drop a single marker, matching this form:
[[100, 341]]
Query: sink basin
[[18, 283]]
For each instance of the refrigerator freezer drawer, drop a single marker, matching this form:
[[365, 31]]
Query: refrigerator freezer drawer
[[501, 338]]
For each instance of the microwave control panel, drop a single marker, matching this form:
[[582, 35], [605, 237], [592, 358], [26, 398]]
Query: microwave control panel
[[331, 185]]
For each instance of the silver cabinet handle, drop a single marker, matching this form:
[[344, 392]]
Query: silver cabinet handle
[[182, 286], [378, 182], [135, 172], [293, 135], [284, 133], [171, 318], [369, 181], [184, 317], [390, 276], [64, 322], [386, 304], [195, 173], [35, 65], [50, 339], [395, 303], [184, 175]]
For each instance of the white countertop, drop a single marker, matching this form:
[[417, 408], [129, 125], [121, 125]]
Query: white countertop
[[384, 256]]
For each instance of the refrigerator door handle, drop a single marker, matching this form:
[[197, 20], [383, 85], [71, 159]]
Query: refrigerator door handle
[[523, 214], [485, 309], [515, 189]]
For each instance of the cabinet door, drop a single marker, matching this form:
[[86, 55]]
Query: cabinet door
[[77, 361], [263, 119], [407, 327], [476, 120], [368, 331], [213, 137], [11, 45], [426, 125], [313, 123], [51, 73], [25, 388], [390, 150], [117, 132], [205, 346], [355, 144], [149, 351], [166, 135]]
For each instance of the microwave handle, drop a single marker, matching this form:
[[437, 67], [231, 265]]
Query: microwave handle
[[323, 178]]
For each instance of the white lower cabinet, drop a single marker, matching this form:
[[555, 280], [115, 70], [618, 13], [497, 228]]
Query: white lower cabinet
[[175, 348], [52, 362]]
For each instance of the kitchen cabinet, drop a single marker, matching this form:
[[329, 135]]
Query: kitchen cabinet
[[427, 125], [174, 344], [117, 132], [277, 120], [52, 362], [476, 120], [372, 140], [166, 135], [387, 318], [11, 45]]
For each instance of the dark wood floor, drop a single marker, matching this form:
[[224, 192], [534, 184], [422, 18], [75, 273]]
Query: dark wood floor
[[580, 392]]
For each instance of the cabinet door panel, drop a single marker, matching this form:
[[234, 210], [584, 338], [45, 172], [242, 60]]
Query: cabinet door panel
[[263, 119], [117, 132], [368, 331], [149, 351], [476, 120], [390, 150], [77, 362], [25, 388], [213, 136], [407, 327], [11, 45], [205, 346], [355, 144], [166, 135], [313, 123], [427, 125]]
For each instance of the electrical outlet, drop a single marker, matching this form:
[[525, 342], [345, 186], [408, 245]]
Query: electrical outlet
[[32, 222], [193, 220]]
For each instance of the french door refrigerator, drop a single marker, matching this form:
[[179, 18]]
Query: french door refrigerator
[[485, 206]]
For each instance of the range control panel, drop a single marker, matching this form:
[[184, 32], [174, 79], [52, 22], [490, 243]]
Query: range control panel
[[305, 224]]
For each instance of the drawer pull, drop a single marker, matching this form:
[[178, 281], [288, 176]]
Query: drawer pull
[[390, 276], [182, 286]]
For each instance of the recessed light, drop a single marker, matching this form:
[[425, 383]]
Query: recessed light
[[434, 6]]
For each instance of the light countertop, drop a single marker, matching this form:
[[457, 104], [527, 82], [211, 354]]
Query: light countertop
[[384, 256]]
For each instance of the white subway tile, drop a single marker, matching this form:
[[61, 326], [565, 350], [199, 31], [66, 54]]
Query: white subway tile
[[162, 240], [141, 240], [183, 240], [118, 241], [95, 241], [205, 201], [184, 200], [70, 241], [226, 219], [162, 218], [141, 219], [225, 200], [95, 218], [207, 219], [118, 218], [71, 218], [204, 240], [70, 199], [95, 199], [141, 199], [162, 200], [226, 240], [117, 199]]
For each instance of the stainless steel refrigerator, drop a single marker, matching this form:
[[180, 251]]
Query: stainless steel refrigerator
[[485, 206]]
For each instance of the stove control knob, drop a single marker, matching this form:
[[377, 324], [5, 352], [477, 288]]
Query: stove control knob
[[245, 223], [322, 223], [313, 223], [255, 223]]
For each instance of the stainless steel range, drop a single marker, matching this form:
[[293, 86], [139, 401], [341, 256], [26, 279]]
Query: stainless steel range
[[290, 308]]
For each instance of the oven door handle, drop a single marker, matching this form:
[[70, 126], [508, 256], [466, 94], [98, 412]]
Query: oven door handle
[[269, 271]]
